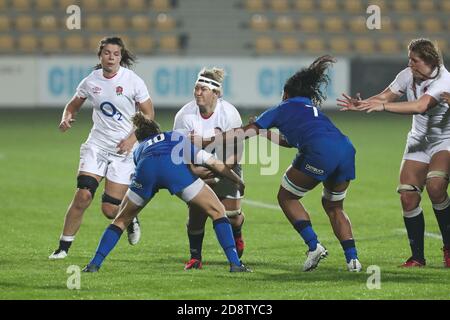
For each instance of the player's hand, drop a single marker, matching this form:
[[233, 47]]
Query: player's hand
[[349, 103], [445, 96], [125, 146], [66, 124], [370, 107]]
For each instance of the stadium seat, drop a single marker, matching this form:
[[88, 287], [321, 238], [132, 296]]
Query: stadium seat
[[48, 23], [44, 5], [6, 44], [24, 23], [358, 24], [28, 43], [407, 25], [165, 22], [354, 7], [254, 5], [364, 46], [137, 5], [51, 44], [442, 44], [21, 5], [402, 6], [90, 5], [74, 44], [314, 45], [340, 45], [143, 44], [304, 6], [3, 5], [169, 44], [380, 3], [309, 24], [388, 46], [93, 42], [432, 25], [334, 24], [279, 6], [259, 23], [94, 22], [426, 6], [329, 6], [117, 23], [160, 5], [289, 45], [284, 24], [64, 4], [445, 6], [115, 5], [386, 24], [264, 45], [140, 22], [5, 23]]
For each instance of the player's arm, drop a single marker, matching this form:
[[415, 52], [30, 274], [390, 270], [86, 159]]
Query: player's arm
[[348, 103], [223, 170], [421, 105], [126, 144], [276, 138], [70, 111]]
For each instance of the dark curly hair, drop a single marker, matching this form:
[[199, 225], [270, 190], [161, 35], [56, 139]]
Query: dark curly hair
[[128, 58], [144, 127], [307, 82]]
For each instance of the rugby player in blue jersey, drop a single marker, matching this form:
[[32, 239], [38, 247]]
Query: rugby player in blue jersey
[[325, 155], [163, 161]]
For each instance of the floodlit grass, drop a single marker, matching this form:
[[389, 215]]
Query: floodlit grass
[[38, 169]]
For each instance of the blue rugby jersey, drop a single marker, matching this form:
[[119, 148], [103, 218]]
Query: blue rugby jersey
[[298, 120]]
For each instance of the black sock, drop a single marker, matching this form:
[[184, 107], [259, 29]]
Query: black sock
[[442, 214], [64, 245], [237, 231], [415, 226], [195, 245]]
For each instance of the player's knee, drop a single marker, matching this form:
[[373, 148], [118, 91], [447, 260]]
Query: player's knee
[[409, 200], [82, 200], [110, 206], [88, 183], [436, 184]]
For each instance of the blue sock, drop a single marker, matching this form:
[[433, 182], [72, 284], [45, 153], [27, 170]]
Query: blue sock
[[306, 231], [224, 234], [349, 249], [108, 241]]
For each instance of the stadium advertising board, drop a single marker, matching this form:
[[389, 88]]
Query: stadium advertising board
[[249, 82]]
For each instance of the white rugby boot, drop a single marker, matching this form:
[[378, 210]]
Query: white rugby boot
[[354, 265], [134, 232], [314, 257]]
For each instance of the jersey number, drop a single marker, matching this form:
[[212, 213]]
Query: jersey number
[[158, 138], [316, 113], [109, 110]]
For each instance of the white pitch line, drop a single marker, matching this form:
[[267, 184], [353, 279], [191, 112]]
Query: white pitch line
[[427, 234], [261, 204]]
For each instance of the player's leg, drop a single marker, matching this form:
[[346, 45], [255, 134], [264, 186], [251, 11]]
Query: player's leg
[[437, 183], [295, 184], [333, 203], [196, 230], [87, 184], [128, 211], [412, 179], [202, 196], [236, 216], [118, 178]]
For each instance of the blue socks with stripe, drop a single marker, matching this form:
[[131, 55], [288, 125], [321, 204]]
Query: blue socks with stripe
[[224, 234], [304, 228], [108, 241]]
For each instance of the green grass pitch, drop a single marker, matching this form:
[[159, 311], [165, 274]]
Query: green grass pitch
[[38, 166]]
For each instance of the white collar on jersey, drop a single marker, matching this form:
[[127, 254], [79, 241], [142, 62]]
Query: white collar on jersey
[[207, 82]]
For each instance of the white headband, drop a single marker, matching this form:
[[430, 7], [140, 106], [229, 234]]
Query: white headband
[[207, 82]]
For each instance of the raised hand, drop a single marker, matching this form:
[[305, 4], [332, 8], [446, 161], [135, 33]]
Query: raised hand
[[349, 103]]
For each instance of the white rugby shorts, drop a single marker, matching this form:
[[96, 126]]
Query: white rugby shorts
[[116, 168], [422, 148]]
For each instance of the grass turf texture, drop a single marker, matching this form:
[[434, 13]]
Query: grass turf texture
[[38, 168]]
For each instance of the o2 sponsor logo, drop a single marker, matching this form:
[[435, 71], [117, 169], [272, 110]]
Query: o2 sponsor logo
[[109, 110]]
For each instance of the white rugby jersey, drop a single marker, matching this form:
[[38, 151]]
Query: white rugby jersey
[[114, 101], [435, 122], [224, 117]]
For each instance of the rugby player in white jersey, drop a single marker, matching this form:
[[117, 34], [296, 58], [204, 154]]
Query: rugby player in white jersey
[[426, 160], [205, 116], [116, 93]]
